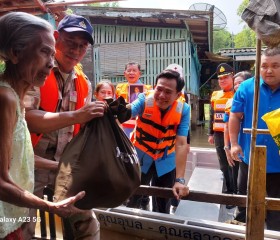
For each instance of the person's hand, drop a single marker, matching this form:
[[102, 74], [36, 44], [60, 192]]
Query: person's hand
[[118, 107], [236, 153], [66, 208], [211, 139], [180, 190], [229, 158], [90, 111]]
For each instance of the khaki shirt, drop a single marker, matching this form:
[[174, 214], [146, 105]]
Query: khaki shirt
[[52, 144]]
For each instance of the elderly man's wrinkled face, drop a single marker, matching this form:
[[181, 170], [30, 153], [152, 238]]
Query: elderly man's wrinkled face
[[132, 73], [270, 70]]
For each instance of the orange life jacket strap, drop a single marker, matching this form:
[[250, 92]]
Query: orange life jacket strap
[[145, 136], [152, 150], [157, 126]]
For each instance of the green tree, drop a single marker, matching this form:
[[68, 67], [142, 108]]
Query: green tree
[[222, 39], [242, 7], [246, 38]]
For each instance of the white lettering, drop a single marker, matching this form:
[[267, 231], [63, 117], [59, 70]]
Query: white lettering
[[220, 106], [7, 220], [218, 125]]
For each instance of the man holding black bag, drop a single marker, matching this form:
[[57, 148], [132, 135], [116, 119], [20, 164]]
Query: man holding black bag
[[57, 110], [161, 130]]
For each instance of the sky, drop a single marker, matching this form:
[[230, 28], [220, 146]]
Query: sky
[[229, 8]]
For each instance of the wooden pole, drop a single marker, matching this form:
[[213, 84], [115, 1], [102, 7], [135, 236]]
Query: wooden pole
[[208, 197], [255, 190], [256, 196]]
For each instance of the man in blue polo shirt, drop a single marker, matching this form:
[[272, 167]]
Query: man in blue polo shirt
[[161, 130], [241, 113]]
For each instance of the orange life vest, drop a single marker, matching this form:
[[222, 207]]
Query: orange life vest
[[218, 102], [153, 134], [49, 97]]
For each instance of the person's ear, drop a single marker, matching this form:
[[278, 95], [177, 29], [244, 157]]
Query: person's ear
[[14, 56]]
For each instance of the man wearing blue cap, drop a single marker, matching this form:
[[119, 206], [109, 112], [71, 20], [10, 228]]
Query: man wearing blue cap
[[56, 111], [216, 126]]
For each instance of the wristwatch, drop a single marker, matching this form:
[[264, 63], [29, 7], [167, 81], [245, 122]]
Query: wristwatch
[[180, 180], [226, 148]]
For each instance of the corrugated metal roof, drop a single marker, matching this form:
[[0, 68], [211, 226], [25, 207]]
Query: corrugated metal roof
[[37, 7], [238, 50]]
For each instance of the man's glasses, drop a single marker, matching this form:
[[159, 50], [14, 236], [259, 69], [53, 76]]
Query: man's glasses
[[74, 45]]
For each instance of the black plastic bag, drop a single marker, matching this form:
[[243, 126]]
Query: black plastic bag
[[263, 16], [102, 161], [119, 109]]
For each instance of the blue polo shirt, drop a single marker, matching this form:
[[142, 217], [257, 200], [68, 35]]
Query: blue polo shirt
[[166, 163], [269, 101]]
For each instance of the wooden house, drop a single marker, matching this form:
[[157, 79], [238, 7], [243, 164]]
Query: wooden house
[[154, 38]]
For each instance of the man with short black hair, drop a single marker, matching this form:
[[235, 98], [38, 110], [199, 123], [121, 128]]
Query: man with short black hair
[[241, 117], [161, 130]]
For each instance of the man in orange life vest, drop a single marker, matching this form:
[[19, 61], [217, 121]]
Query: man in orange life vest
[[57, 110], [161, 129], [216, 126], [132, 74]]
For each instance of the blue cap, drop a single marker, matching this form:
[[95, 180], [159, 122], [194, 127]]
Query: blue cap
[[76, 23]]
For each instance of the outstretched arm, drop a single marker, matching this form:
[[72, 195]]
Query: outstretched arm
[[43, 122], [9, 191]]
